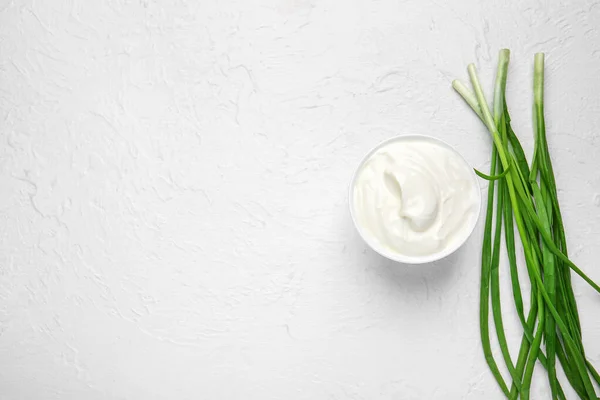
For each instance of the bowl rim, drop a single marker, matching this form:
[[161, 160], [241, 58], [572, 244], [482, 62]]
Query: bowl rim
[[411, 260]]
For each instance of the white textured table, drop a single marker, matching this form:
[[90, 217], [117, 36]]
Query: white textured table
[[173, 178]]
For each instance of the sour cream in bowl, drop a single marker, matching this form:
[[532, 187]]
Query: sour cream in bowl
[[414, 199]]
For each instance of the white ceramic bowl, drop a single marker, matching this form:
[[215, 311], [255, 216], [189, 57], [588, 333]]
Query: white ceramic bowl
[[388, 253]]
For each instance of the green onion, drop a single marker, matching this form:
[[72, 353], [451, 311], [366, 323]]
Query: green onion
[[491, 177], [526, 197]]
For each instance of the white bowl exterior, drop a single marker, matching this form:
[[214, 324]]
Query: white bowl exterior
[[375, 245]]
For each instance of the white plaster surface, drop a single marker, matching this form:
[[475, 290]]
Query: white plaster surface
[[173, 180]]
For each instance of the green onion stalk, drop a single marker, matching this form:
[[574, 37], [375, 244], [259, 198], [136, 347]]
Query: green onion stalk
[[525, 197]]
